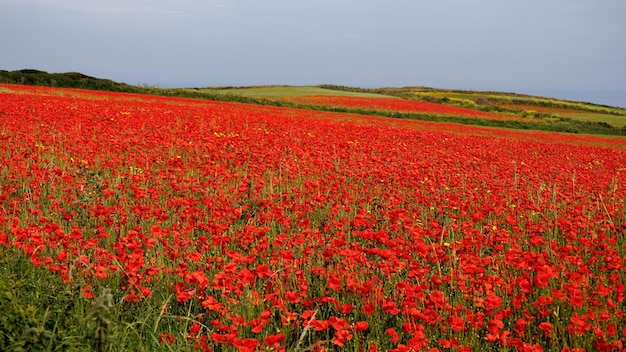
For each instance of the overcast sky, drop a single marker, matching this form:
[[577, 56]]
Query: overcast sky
[[567, 48]]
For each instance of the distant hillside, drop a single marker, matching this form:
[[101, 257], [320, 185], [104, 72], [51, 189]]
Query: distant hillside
[[63, 80]]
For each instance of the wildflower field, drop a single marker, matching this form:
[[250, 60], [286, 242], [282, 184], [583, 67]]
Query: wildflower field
[[394, 104], [178, 225]]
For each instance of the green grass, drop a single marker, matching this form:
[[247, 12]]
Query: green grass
[[39, 312], [42, 313], [272, 91], [613, 120]]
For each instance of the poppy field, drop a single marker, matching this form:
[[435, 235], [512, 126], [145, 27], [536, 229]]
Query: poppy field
[[183, 224], [393, 104]]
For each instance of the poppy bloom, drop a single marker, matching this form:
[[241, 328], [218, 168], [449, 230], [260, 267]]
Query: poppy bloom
[[361, 326]]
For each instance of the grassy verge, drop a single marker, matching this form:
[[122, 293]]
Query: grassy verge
[[39, 312], [273, 91], [42, 313]]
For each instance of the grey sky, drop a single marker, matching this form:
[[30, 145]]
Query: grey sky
[[572, 48]]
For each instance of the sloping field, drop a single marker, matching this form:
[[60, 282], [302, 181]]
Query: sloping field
[[577, 114], [393, 104], [469, 107], [180, 224], [525, 105], [293, 91]]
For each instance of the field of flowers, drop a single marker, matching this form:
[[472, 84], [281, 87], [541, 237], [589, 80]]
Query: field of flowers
[[393, 104], [249, 227]]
